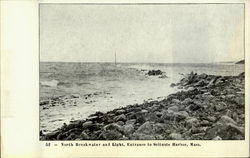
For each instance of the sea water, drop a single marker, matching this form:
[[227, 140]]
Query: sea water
[[106, 86]]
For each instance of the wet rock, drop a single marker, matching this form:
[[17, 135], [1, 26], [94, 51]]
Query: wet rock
[[154, 72]]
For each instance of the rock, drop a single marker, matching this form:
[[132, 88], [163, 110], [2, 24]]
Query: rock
[[166, 115], [158, 114], [84, 136], [192, 122], [144, 111], [217, 138], [154, 108], [139, 136], [194, 107], [132, 121], [52, 135], [128, 129], [173, 85], [120, 123], [87, 124], [181, 115], [72, 136], [201, 83], [220, 106], [175, 136], [154, 72], [111, 135], [240, 101], [145, 128], [187, 101], [205, 123], [227, 131], [173, 109], [120, 111], [225, 119], [211, 118], [121, 117], [112, 126], [176, 101]]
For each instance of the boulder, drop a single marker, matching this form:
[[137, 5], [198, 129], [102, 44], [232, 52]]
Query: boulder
[[154, 72], [173, 109], [181, 115], [220, 106], [191, 121], [120, 111], [87, 124], [128, 129], [84, 136], [225, 120], [175, 136], [121, 117]]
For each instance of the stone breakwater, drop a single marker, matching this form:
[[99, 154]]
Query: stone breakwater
[[207, 108]]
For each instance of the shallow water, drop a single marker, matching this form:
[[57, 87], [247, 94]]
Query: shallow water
[[108, 86]]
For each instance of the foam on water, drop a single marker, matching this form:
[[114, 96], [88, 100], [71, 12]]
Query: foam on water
[[110, 86]]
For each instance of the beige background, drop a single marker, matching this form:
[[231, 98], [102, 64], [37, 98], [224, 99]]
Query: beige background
[[20, 96]]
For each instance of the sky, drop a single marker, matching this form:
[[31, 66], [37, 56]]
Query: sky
[[197, 33]]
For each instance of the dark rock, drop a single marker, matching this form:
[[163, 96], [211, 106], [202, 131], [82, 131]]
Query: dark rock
[[154, 72], [84, 136], [121, 117]]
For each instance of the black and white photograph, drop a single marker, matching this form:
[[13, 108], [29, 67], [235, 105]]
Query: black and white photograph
[[141, 71]]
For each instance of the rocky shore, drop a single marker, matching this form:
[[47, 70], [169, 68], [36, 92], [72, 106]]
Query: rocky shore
[[207, 107]]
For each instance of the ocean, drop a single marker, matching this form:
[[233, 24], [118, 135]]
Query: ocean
[[106, 86]]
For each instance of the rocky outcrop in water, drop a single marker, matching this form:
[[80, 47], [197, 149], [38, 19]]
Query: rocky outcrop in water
[[207, 108], [240, 62]]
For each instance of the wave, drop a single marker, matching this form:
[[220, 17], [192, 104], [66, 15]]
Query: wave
[[52, 83]]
